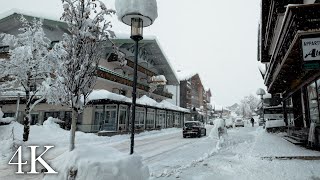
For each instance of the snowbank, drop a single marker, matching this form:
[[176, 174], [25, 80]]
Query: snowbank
[[218, 123], [99, 164], [51, 123], [7, 120], [93, 157]]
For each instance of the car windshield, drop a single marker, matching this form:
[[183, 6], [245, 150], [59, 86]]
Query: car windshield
[[239, 120], [191, 124]]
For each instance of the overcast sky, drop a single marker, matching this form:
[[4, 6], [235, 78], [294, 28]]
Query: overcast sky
[[217, 39]]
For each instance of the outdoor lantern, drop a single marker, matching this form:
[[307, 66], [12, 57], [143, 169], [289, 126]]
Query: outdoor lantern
[[136, 29], [137, 14]]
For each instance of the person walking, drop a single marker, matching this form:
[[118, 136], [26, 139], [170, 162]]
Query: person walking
[[252, 121]]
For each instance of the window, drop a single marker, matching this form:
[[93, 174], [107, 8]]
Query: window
[[313, 102], [139, 119], [169, 119], [177, 121], [150, 118], [8, 115], [161, 121], [34, 119], [51, 114], [105, 118]]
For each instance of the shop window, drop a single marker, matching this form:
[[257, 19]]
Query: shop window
[[122, 118], [150, 118], [105, 117], [161, 121], [313, 102], [139, 119]]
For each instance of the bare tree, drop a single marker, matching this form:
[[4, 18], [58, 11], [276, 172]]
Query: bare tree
[[247, 105]]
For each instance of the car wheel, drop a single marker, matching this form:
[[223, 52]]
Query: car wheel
[[205, 132], [184, 136], [199, 134]]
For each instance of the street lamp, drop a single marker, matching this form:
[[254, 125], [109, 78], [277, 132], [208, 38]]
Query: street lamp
[[137, 14], [261, 92]]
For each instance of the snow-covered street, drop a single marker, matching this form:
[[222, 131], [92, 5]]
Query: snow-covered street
[[245, 153]]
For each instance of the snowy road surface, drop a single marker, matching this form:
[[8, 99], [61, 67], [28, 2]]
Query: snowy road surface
[[239, 157], [169, 156]]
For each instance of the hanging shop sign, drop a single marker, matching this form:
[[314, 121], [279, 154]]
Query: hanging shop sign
[[311, 49]]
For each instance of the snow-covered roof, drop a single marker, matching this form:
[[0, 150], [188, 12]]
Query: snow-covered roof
[[144, 100], [104, 94], [28, 13], [167, 105], [185, 75]]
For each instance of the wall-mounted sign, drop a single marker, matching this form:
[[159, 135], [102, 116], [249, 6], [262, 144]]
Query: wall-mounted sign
[[311, 49]]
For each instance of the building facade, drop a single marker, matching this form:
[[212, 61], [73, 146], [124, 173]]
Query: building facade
[[195, 97], [289, 48], [113, 80]]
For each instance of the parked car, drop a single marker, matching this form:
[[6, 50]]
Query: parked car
[[229, 123], [193, 129], [261, 122], [239, 122]]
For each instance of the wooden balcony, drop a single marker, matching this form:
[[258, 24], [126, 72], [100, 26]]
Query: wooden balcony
[[118, 78]]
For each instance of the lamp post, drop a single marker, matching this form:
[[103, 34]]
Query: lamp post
[[261, 92], [137, 14]]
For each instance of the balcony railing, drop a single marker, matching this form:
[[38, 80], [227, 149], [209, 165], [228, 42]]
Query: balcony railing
[[105, 73]]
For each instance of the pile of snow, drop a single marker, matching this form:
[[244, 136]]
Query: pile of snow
[[218, 123], [51, 123], [93, 157], [99, 164], [161, 79], [5, 120]]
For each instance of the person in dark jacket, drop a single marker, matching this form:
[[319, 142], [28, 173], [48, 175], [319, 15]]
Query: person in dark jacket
[[252, 121]]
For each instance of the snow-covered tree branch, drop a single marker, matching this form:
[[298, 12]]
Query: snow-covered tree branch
[[29, 67], [83, 48]]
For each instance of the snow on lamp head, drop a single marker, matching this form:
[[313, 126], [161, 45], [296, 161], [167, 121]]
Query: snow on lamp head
[[137, 14], [260, 92]]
